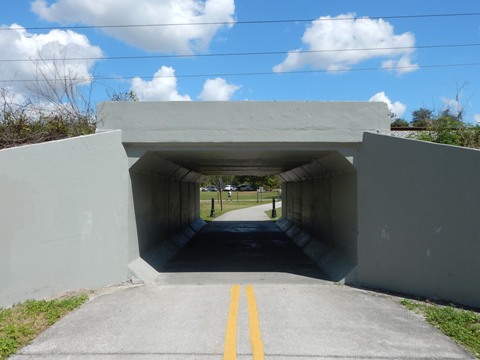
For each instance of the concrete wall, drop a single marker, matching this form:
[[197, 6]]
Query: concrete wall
[[326, 208], [64, 216], [320, 207], [418, 208], [243, 122], [166, 200], [162, 207]]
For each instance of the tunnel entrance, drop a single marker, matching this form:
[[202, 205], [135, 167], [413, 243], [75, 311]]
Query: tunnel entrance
[[311, 147], [316, 237]]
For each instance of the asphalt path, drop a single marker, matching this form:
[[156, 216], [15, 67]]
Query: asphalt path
[[241, 290]]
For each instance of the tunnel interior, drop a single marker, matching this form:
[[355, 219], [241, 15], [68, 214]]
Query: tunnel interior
[[316, 236]]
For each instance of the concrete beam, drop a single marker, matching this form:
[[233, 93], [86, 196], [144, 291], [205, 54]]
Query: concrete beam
[[243, 122]]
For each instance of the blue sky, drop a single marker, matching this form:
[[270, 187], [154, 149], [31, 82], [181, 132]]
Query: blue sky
[[328, 59]]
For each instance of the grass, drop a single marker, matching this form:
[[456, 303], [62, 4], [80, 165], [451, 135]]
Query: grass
[[242, 196], [20, 324], [206, 206], [462, 326], [240, 200], [279, 214]]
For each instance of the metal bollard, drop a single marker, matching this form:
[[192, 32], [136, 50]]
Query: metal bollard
[[274, 211], [212, 212]]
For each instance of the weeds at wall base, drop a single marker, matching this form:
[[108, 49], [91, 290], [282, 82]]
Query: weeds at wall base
[[20, 324], [462, 326]]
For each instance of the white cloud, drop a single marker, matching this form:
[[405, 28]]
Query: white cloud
[[334, 39], [180, 39], [476, 118], [217, 90], [163, 87], [42, 58], [396, 108]]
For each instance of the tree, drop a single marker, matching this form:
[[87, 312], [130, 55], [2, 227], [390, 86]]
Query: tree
[[398, 123], [124, 96], [422, 117], [57, 105], [449, 129]]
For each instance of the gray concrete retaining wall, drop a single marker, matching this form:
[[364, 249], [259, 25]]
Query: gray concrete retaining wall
[[418, 208], [64, 216]]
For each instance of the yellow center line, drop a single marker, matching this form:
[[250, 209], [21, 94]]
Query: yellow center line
[[230, 352], [255, 338]]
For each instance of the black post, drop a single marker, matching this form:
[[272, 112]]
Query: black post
[[274, 211], [212, 212]]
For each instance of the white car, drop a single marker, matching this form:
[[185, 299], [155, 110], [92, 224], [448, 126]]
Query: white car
[[229, 188]]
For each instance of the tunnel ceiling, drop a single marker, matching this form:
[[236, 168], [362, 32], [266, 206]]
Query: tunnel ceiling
[[242, 161]]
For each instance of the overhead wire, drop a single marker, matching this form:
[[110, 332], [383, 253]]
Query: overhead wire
[[246, 22], [393, 68], [261, 53]]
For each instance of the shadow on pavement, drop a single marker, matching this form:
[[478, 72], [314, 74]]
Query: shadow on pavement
[[243, 246]]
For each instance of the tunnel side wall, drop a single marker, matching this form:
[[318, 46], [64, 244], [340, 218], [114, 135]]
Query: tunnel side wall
[[325, 207], [163, 207], [418, 219], [64, 216]]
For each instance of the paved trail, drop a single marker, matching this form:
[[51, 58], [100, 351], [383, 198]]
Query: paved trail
[[242, 290]]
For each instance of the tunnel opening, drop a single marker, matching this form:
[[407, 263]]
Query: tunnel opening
[[315, 238], [312, 146]]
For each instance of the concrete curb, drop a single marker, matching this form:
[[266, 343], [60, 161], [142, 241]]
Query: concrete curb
[[334, 264]]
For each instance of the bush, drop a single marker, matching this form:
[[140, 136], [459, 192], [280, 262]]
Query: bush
[[16, 128], [451, 131], [399, 123]]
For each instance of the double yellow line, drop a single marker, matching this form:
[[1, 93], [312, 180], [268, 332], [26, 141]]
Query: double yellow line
[[230, 352]]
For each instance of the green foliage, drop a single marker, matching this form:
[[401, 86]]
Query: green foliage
[[268, 182], [463, 326], [124, 96], [241, 196], [451, 130], [17, 128], [399, 123], [422, 117], [22, 323]]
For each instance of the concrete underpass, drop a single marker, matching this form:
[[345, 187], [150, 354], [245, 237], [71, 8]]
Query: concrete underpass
[[353, 200], [311, 147], [364, 207]]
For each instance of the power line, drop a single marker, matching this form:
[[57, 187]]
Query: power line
[[247, 22], [262, 53], [395, 68]]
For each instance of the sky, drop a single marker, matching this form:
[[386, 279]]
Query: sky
[[410, 54]]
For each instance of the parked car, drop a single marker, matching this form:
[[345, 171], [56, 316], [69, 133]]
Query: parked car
[[210, 188], [245, 187], [230, 188]]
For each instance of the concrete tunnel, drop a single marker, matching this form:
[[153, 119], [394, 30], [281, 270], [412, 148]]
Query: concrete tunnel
[[312, 147]]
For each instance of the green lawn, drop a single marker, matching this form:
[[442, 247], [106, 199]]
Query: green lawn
[[20, 324], [462, 326], [241, 196], [279, 214], [240, 200]]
